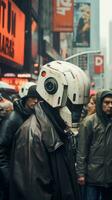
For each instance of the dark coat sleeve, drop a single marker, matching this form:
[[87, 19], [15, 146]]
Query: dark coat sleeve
[[84, 142], [8, 129]]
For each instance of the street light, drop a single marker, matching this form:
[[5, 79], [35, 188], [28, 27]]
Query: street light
[[82, 53]]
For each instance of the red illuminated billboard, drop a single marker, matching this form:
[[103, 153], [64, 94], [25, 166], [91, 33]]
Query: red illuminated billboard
[[62, 17], [12, 32]]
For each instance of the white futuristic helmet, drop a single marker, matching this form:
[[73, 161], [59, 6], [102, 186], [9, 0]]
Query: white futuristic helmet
[[64, 85], [25, 89]]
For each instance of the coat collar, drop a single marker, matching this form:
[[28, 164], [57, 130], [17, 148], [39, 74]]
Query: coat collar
[[49, 136]]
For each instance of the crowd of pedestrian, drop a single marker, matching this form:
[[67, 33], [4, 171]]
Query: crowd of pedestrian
[[37, 157]]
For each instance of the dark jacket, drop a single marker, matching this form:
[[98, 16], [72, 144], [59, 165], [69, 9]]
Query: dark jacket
[[43, 161], [7, 132], [94, 154]]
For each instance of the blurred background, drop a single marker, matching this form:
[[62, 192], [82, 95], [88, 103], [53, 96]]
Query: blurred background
[[34, 32]]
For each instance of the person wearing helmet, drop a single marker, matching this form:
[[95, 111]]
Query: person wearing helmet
[[43, 150], [28, 95], [23, 108]]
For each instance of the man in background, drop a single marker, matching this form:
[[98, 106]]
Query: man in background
[[94, 154], [23, 108]]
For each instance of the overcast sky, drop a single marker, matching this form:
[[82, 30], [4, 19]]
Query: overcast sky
[[105, 16]]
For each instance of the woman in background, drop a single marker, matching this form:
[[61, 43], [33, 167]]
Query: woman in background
[[91, 106]]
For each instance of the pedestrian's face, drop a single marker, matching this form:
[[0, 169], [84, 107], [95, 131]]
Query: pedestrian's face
[[91, 107], [85, 10], [107, 105], [31, 102]]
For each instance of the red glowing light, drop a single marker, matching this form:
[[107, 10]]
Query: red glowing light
[[43, 74]]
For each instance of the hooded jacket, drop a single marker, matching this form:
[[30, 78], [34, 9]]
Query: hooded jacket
[[43, 161], [94, 154], [7, 132]]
